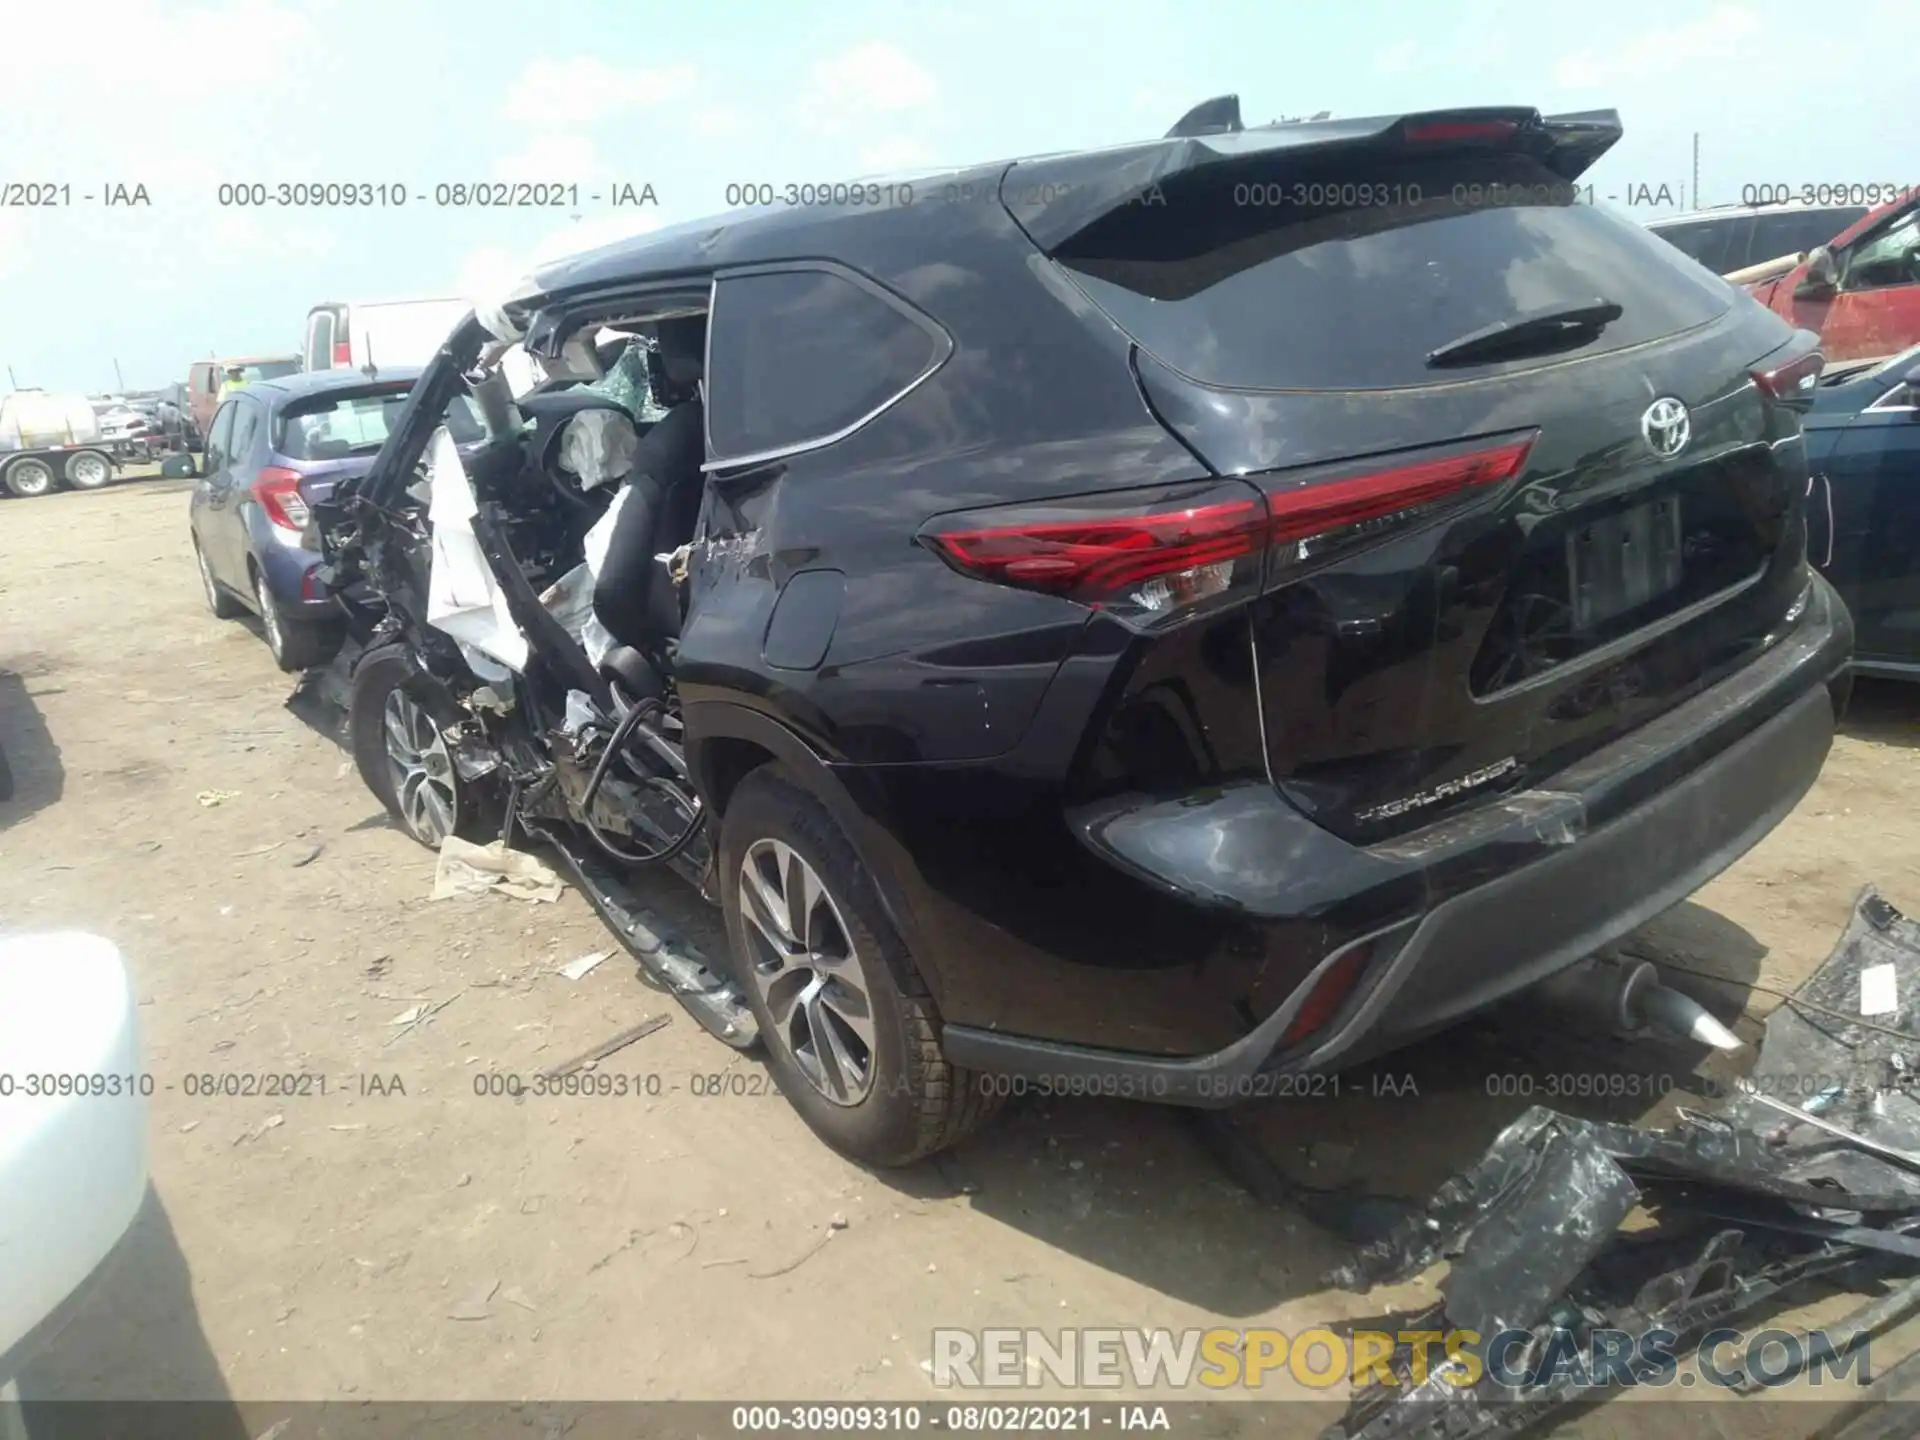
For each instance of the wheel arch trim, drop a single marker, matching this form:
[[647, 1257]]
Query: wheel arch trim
[[708, 721]]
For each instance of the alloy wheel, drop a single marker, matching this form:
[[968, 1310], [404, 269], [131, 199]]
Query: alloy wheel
[[806, 969], [422, 769], [270, 618]]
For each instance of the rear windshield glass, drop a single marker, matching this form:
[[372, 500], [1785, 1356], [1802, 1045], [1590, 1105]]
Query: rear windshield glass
[[1329, 276], [334, 427]]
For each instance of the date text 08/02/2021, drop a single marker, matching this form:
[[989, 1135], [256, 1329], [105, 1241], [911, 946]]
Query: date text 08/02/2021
[[1211, 1087], [958, 1419], [455, 194], [313, 1084]]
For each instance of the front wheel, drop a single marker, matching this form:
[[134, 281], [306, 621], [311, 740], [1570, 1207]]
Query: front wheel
[[88, 470], [29, 478], [397, 727], [852, 1036]]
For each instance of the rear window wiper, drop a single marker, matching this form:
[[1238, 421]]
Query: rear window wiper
[[1532, 333]]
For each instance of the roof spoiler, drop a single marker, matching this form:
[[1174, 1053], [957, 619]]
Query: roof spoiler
[[1060, 196], [1218, 116]]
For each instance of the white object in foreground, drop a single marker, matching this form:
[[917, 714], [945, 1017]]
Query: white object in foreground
[[468, 869], [73, 1166]]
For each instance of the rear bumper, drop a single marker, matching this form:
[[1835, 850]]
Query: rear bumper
[[1474, 908], [287, 565]]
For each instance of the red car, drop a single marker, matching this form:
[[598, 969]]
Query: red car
[[1860, 292]]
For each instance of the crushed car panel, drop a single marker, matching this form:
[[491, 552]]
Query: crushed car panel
[[1742, 1206]]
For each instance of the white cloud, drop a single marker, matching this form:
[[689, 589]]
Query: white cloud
[[491, 270], [583, 90], [488, 272], [717, 122], [591, 234], [897, 152], [233, 234], [233, 231], [13, 240], [46, 129], [557, 159], [185, 226], [1398, 60], [877, 78], [1705, 44]]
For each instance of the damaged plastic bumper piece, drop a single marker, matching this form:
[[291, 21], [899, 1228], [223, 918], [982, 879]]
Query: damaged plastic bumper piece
[[1741, 1207], [1476, 907]]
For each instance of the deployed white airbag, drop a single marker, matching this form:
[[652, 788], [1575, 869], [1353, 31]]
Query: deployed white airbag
[[598, 446], [463, 598]]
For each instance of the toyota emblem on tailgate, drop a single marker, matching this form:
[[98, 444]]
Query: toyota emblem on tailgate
[[1666, 427]]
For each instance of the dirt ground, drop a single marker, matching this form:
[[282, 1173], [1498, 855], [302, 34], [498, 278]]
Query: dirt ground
[[405, 1237]]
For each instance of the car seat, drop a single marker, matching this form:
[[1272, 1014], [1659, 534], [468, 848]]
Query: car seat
[[633, 597]]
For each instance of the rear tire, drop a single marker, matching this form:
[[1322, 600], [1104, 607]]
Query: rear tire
[[88, 470], [223, 605], [30, 479], [900, 1099], [394, 720], [296, 644]]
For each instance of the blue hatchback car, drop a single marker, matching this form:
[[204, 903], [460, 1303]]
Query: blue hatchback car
[[1863, 511], [273, 450]]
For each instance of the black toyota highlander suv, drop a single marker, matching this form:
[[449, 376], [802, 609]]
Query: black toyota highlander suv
[[1148, 619]]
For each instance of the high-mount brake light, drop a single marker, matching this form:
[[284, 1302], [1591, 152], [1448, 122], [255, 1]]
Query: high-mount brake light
[[1442, 132]]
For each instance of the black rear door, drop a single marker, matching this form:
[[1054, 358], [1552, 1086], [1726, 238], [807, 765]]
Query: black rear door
[[1525, 490]]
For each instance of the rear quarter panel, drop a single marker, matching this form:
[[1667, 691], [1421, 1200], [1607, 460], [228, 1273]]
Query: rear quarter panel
[[924, 664]]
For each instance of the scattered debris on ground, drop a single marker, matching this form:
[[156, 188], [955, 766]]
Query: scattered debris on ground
[[1741, 1208], [469, 869]]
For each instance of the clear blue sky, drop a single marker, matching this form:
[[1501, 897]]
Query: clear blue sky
[[182, 97]]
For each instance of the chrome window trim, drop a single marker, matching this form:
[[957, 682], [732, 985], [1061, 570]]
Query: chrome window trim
[[1880, 406], [943, 351]]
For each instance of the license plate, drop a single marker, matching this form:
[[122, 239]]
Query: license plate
[[1624, 561]]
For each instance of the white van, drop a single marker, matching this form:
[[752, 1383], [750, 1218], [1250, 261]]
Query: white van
[[380, 333]]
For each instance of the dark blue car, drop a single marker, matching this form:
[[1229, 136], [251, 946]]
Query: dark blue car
[[274, 450], [1863, 511]]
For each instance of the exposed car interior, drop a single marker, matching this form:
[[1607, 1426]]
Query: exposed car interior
[[587, 485], [575, 509]]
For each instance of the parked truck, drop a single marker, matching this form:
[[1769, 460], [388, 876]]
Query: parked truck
[[49, 439], [379, 334]]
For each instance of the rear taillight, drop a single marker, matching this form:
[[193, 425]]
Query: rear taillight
[[1317, 519], [1443, 132], [277, 490], [1150, 562], [1792, 373], [1144, 561], [342, 353]]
